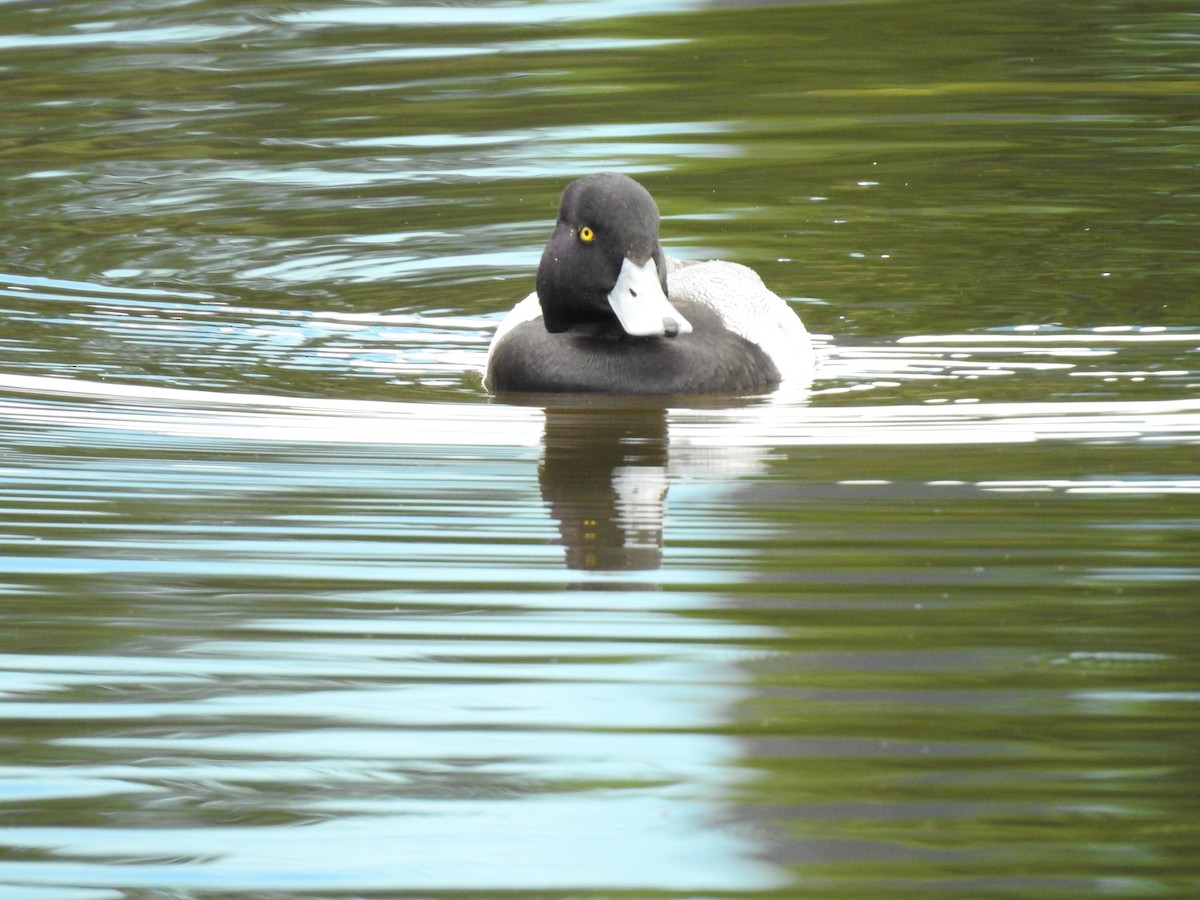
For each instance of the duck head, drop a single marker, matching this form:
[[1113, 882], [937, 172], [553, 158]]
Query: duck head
[[603, 269]]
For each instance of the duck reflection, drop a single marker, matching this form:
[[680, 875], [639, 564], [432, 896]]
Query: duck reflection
[[604, 476]]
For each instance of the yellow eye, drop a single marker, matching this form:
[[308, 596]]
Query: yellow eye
[[586, 235]]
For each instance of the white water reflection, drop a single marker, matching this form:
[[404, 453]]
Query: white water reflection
[[404, 730], [439, 739], [215, 415], [661, 841], [476, 15]]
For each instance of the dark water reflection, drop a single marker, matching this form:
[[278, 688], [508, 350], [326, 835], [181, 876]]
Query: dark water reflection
[[604, 478], [293, 608]]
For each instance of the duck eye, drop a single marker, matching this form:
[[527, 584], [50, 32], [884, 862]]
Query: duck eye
[[586, 235]]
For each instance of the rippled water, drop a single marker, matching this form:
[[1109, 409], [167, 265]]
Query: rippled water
[[292, 607]]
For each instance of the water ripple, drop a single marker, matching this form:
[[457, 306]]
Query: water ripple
[[257, 417]]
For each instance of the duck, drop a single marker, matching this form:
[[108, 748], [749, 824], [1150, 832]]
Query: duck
[[612, 314]]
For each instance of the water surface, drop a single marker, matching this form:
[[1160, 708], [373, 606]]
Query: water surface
[[292, 607]]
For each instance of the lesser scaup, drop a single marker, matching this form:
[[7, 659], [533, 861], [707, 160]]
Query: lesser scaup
[[612, 314]]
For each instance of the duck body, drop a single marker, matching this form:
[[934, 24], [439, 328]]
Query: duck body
[[612, 314]]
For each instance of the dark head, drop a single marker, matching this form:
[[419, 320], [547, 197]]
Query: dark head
[[603, 268]]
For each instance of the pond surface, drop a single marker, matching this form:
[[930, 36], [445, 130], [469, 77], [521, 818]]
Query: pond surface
[[293, 608]]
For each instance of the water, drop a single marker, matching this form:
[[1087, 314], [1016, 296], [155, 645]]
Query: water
[[293, 608]]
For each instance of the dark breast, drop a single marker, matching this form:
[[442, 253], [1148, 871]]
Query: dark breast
[[710, 360]]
